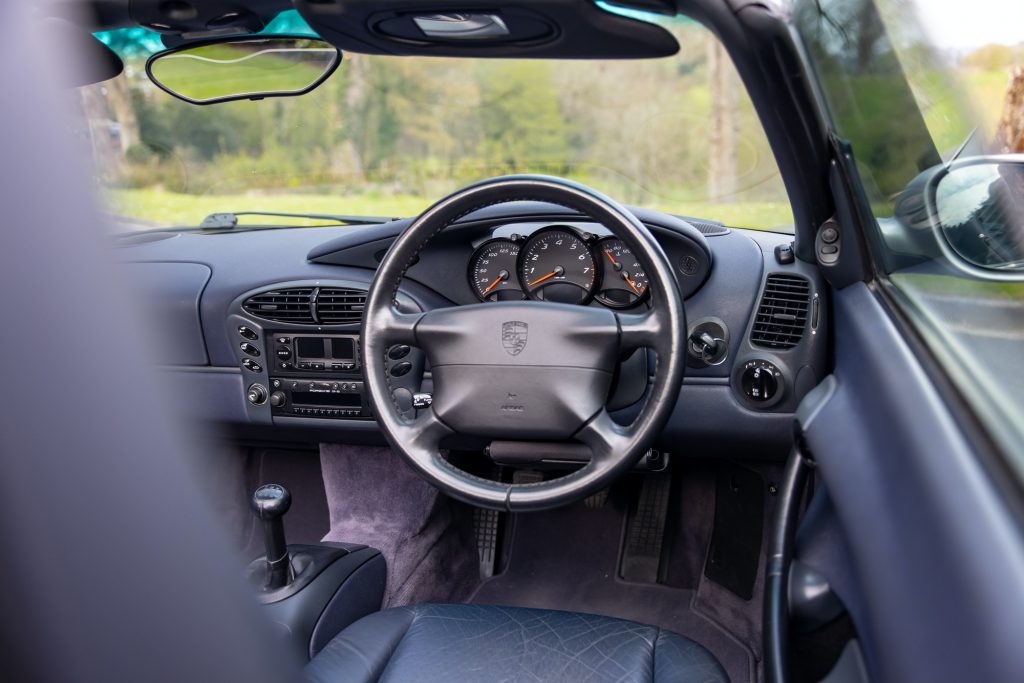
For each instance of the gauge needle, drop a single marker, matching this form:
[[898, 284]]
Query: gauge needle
[[615, 264], [557, 271], [503, 275], [631, 284]]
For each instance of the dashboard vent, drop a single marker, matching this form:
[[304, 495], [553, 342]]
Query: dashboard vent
[[782, 314], [283, 305], [335, 306]]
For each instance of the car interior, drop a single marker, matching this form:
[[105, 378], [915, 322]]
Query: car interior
[[534, 432]]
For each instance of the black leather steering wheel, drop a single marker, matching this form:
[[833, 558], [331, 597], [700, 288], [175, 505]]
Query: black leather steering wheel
[[554, 387]]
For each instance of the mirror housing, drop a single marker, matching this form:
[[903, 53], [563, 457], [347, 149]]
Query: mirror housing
[[251, 67], [977, 205]]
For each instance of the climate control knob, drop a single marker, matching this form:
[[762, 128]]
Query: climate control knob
[[278, 399]]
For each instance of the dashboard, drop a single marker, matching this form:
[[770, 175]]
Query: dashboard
[[262, 328]]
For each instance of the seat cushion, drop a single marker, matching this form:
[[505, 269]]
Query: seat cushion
[[435, 643]]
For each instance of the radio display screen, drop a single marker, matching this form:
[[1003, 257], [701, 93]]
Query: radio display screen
[[315, 398], [342, 348], [310, 347]]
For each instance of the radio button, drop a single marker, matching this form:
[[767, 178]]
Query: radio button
[[249, 349], [400, 369], [284, 340], [248, 333], [283, 353], [317, 366]]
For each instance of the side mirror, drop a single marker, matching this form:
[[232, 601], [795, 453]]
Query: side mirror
[[978, 206], [243, 68]]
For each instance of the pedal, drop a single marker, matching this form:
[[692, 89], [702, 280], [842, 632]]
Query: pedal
[[485, 528], [597, 500], [645, 533]]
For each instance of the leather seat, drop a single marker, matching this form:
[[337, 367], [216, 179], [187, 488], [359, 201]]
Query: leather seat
[[465, 643]]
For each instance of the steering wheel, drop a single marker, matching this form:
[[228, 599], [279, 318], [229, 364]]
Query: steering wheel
[[524, 370]]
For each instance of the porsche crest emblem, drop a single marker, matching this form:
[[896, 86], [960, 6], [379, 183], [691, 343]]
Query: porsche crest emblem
[[513, 336]]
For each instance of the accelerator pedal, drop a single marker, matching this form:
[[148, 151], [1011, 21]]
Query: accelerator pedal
[[645, 532]]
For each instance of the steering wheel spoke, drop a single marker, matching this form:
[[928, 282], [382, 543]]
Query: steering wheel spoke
[[426, 432], [638, 330], [394, 327], [606, 438]]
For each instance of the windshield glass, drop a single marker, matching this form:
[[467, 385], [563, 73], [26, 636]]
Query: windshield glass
[[387, 136]]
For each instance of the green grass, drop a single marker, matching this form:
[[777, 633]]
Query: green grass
[[161, 208]]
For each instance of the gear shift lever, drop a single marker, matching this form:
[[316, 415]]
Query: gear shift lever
[[270, 502]]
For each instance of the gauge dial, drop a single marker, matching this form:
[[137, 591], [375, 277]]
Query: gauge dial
[[492, 271], [557, 265], [625, 280]]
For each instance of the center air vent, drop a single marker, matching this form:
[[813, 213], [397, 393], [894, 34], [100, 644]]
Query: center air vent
[[283, 305], [782, 315], [309, 305], [335, 306]]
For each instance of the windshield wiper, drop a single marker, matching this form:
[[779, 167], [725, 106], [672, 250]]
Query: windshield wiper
[[229, 220]]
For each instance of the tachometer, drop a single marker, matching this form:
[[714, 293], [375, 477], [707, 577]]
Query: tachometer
[[492, 271], [624, 282], [557, 265]]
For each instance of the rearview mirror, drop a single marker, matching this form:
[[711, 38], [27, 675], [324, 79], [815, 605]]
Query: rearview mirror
[[243, 68], [979, 207]]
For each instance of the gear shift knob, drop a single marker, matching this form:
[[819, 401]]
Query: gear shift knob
[[270, 502]]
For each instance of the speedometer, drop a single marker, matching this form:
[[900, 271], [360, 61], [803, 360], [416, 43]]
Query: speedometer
[[492, 271], [557, 265]]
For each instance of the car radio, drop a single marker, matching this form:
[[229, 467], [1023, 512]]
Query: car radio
[[316, 353], [336, 398]]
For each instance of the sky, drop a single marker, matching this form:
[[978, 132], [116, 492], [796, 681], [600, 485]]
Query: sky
[[966, 24]]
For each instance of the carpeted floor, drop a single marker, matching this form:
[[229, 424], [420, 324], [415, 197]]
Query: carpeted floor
[[426, 538], [568, 559], [561, 559]]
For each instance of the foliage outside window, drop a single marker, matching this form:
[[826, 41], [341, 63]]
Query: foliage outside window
[[388, 135]]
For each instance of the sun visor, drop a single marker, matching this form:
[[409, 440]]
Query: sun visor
[[556, 29]]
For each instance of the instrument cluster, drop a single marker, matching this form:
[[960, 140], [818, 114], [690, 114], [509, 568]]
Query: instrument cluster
[[560, 264]]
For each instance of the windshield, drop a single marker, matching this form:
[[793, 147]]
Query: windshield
[[387, 136]]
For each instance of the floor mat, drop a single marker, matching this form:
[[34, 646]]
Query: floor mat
[[568, 559], [426, 538]]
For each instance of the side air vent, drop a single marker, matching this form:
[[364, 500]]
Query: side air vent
[[335, 306], [283, 305], [782, 315]]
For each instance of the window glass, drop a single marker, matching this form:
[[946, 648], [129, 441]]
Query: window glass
[[386, 136], [924, 92]]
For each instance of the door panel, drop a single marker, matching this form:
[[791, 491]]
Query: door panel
[[936, 554]]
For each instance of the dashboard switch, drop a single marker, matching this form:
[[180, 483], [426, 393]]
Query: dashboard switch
[[761, 382], [400, 369], [249, 349], [251, 365], [247, 333], [398, 352], [257, 394]]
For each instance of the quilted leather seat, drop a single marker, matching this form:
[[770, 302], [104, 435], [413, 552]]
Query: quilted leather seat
[[467, 643]]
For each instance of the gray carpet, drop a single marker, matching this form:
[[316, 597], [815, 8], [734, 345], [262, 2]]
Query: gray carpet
[[427, 539]]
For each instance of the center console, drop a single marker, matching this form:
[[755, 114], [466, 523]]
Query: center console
[[311, 592], [295, 367]]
